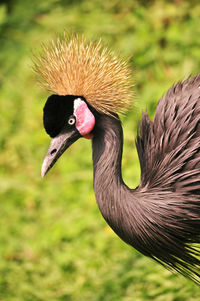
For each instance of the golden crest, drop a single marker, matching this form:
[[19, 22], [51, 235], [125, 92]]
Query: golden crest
[[71, 66]]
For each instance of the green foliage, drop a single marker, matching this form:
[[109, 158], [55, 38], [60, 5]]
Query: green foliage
[[54, 244]]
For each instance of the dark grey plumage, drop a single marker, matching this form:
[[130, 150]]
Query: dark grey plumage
[[161, 217]]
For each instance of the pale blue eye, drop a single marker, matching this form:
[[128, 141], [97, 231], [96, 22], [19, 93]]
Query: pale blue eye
[[71, 120]]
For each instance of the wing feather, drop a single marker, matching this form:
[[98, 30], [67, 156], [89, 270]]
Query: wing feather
[[169, 146], [169, 192]]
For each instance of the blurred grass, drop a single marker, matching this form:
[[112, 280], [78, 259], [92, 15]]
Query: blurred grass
[[54, 244]]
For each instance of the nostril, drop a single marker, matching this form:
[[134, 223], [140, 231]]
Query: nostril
[[53, 151]]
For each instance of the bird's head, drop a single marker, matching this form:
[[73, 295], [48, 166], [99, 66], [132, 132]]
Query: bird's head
[[66, 119], [87, 80]]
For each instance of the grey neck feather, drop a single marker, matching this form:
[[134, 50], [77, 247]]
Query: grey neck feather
[[110, 190]]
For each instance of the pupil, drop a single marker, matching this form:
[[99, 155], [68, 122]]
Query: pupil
[[71, 121]]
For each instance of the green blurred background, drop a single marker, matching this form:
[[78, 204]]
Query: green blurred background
[[54, 244]]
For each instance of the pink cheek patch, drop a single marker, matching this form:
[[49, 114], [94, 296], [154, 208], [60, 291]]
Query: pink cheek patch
[[85, 120]]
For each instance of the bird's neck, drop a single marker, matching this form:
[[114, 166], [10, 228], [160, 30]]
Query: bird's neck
[[107, 155]]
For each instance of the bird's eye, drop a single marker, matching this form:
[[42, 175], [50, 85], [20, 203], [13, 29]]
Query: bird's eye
[[71, 120]]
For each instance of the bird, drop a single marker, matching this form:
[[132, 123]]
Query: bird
[[90, 87]]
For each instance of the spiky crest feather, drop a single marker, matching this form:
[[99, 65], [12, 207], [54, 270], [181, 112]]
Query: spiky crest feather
[[71, 66]]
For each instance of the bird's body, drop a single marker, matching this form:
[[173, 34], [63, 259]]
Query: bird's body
[[161, 217]]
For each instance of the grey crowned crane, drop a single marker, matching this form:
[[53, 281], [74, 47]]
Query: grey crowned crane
[[161, 217]]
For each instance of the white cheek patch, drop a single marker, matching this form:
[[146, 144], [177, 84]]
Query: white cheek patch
[[85, 120]]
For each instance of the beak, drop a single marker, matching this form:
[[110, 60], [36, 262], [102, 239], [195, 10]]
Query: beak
[[57, 147]]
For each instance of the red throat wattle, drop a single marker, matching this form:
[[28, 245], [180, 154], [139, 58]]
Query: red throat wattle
[[85, 120]]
